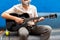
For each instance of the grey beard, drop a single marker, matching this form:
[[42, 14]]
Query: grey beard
[[26, 4]]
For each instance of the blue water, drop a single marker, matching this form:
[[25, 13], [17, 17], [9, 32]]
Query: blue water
[[54, 23]]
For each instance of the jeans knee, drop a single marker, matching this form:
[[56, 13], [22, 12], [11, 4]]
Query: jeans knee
[[23, 32], [48, 28]]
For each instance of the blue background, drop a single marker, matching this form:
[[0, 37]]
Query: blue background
[[45, 6]]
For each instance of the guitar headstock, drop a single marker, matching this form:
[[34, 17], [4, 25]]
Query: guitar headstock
[[53, 16]]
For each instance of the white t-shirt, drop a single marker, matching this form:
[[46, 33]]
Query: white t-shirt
[[32, 11]]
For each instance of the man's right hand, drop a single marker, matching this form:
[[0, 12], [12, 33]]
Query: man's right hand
[[19, 20]]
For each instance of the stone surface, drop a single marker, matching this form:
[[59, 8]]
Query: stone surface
[[55, 35]]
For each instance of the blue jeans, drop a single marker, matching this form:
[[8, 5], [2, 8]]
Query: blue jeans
[[43, 30]]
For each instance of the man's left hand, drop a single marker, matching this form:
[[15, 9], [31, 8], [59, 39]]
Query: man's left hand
[[41, 19]]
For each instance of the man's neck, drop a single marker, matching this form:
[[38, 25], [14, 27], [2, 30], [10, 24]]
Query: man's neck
[[25, 7]]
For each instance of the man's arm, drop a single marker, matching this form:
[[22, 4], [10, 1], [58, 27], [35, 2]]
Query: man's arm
[[36, 15], [7, 15]]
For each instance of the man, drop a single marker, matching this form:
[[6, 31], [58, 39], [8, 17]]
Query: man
[[43, 30]]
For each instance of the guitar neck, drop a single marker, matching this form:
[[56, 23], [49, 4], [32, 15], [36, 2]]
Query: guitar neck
[[48, 16], [38, 17]]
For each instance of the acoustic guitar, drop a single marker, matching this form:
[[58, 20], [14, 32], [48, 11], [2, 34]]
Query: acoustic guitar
[[13, 26]]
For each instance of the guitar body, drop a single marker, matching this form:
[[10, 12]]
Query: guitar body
[[12, 25]]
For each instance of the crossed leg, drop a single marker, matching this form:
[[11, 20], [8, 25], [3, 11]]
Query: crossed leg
[[43, 30]]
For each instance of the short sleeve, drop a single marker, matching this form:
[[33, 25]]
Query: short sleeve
[[35, 12], [11, 10]]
